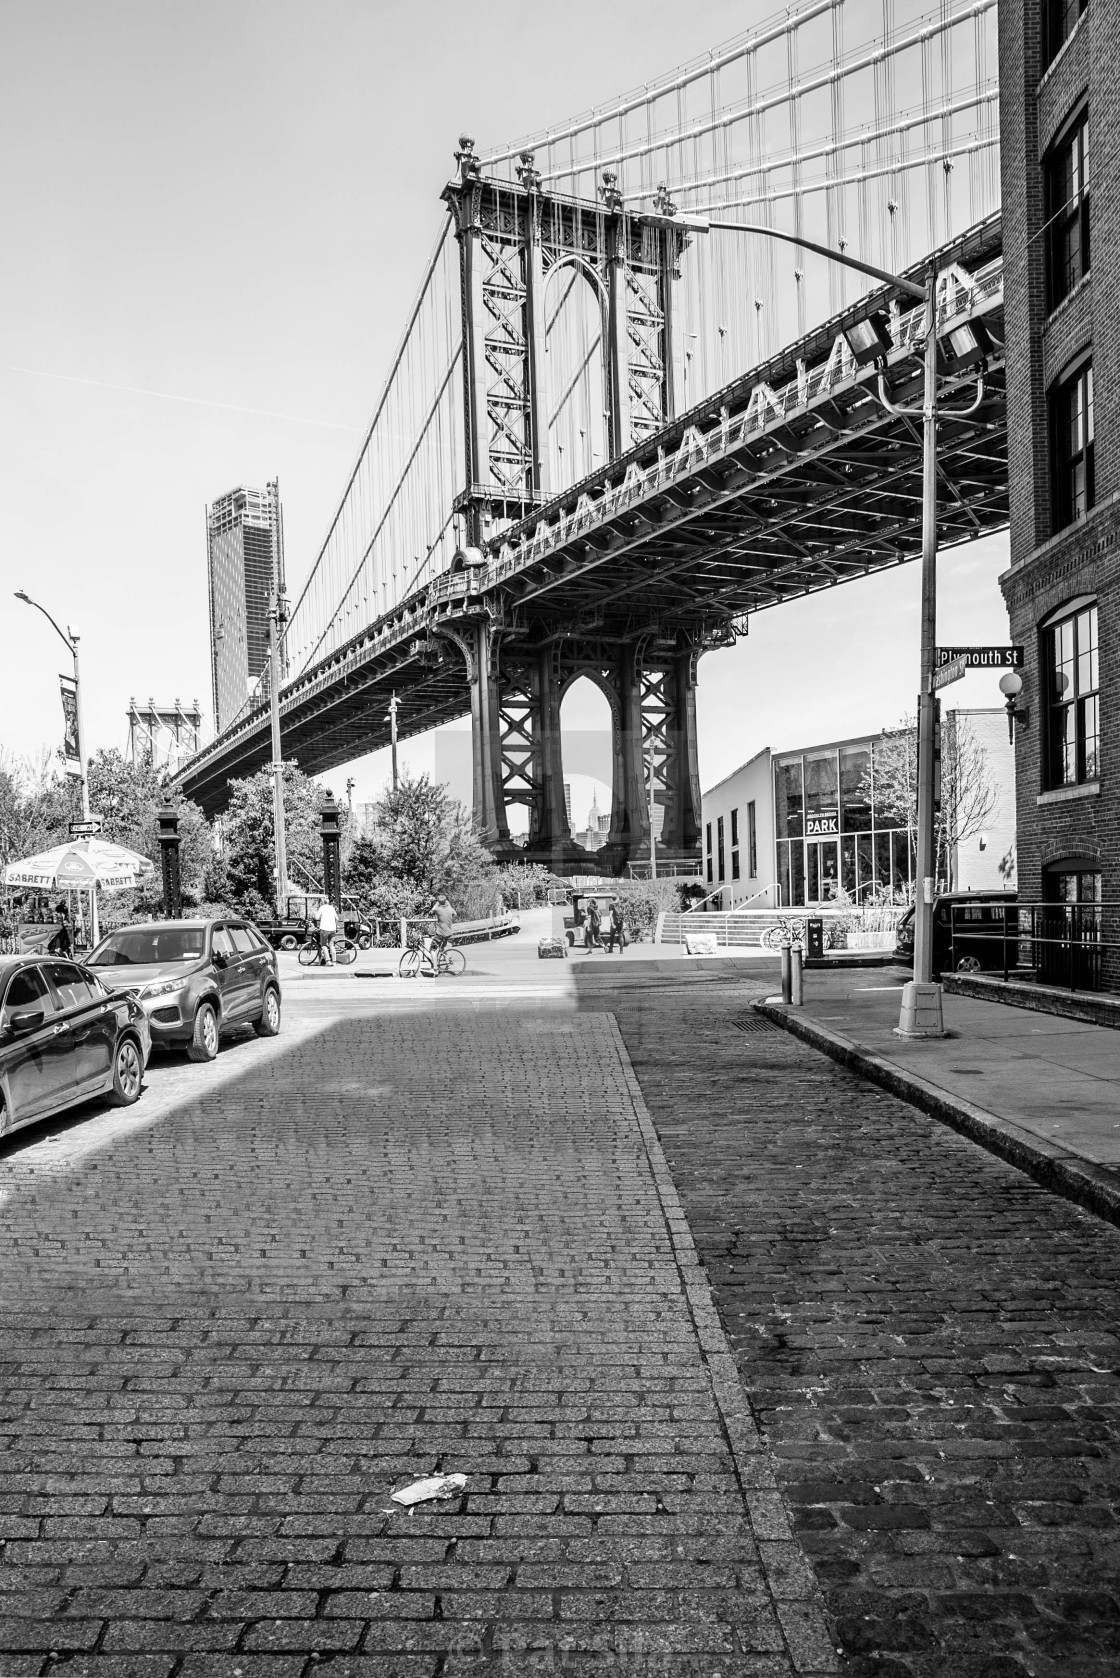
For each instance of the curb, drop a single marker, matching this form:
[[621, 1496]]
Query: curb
[[1050, 1165], [796, 1595]]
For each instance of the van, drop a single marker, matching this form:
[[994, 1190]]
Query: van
[[973, 932]]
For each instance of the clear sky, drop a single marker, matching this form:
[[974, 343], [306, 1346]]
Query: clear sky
[[214, 218]]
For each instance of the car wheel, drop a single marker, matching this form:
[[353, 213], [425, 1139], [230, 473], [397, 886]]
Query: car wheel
[[204, 1042], [289, 941], [128, 1073], [364, 941], [269, 1023]]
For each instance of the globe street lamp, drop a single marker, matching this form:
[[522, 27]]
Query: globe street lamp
[[869, 341], [71, 638]]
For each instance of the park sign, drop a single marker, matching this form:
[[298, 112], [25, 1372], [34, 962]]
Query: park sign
[[817, 825], [951, 672], [982, 658]]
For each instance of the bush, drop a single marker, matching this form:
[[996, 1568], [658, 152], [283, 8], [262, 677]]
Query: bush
[[642, 901], [524, 885]]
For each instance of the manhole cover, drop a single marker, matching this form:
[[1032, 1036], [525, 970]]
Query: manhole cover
[[753, 1023]]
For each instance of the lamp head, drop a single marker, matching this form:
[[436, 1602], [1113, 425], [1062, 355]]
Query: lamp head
[[26, 598], [1011, 684]]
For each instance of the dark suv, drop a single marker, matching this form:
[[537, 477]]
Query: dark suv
[[970, 930], [194, 979]]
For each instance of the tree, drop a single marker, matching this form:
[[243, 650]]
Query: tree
[[421, 843], [36, 805], [247, 878], [128, 796], [968, 796]]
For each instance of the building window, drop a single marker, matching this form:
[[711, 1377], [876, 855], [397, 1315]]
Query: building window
[[708, 849], [719, 848], [752, 842], [1067, 210], [1073, 714], [1072, 432], [735, 844], [1061, 21]]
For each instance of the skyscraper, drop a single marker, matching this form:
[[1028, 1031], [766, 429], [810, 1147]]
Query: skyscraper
[[245, 559]]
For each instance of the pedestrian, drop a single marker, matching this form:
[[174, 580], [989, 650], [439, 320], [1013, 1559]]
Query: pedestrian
[[62, 944], [616, 931], [594, 921], [445, 919], [326, 925]]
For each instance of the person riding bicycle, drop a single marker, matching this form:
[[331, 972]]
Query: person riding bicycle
[[444, 916], [326, 925]]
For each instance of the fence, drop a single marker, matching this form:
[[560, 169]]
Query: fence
[[1059, 944]]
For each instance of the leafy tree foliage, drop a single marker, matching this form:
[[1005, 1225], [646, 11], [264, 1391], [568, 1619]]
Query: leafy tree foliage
[[245, 877], [37, 803], [127, 796], [420, 844]]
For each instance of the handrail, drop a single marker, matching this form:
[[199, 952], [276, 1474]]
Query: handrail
[[775, 885]]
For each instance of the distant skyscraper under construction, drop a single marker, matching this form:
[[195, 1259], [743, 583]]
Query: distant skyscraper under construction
[[245, 556]]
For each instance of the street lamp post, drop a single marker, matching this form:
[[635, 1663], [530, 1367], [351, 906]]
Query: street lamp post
[[71, 639], [275, 614], [921, 1014]]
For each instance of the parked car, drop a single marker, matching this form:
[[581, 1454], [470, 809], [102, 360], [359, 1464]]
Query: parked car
[[64, 1038], [968, 932], [194, 979]]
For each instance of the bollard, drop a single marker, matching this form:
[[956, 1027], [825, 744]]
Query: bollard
[[797, 994], [787, 970]]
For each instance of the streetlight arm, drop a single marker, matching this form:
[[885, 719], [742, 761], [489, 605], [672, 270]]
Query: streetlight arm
[[27, 600], [868, 268], [918, 413]]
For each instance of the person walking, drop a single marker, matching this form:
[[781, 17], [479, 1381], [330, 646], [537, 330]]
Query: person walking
[[326, 925], [616, 932], [594, 922]]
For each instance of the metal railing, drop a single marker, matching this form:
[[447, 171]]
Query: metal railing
[[1059, 944]]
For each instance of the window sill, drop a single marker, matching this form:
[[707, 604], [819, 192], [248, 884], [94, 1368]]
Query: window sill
[[1064, 795], [1060, 54], [1054, 317]]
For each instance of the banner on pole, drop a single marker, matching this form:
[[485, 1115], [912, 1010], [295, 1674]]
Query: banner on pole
[[71, 752]]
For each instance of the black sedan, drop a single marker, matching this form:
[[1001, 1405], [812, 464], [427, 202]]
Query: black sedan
[[64, 1038]]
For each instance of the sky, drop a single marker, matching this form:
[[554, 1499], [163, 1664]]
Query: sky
[[215, 219]]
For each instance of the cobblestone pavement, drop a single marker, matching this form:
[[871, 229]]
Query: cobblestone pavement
[[928, 1339], [398, 1239]]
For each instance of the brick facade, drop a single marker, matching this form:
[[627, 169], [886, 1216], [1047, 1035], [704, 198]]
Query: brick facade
[[1049, 568]]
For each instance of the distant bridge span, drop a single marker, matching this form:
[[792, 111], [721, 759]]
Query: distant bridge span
[[792, 479]]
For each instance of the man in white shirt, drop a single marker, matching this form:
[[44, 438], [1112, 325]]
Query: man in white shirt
[[326, 921]]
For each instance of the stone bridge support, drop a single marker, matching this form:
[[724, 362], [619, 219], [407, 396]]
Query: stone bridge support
[[517, 680]]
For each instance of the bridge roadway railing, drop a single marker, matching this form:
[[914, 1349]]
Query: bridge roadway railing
[[603, 495]]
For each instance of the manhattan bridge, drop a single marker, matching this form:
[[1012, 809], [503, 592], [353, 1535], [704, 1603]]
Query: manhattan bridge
[[610, 434]]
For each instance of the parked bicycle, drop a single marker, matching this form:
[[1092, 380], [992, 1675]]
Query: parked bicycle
[[345, 952], [785, 932], [430, 963]]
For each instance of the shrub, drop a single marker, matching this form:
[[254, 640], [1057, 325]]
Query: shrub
[[641, 902]]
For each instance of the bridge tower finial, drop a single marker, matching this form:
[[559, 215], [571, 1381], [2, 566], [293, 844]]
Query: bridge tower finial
[[470, 166], [609, 193]]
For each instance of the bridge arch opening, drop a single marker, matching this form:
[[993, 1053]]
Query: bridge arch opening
[[577, 398], [587, 749]]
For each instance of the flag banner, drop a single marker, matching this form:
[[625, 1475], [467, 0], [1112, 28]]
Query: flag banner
[[70, 752]]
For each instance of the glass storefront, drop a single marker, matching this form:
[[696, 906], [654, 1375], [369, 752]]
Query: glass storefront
[[830, 836]]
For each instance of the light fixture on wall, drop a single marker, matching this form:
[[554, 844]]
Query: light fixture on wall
[[1011, 686]]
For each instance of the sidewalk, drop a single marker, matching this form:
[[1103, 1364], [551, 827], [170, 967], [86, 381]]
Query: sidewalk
[[1041, 1091]]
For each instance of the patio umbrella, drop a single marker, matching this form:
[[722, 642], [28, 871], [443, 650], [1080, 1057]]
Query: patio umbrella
[[80, 865], [91, 865]]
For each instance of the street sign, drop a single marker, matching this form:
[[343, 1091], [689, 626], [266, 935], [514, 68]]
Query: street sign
[[983, 658], [951, 672], [80, 829]]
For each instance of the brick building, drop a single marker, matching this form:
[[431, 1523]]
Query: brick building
[[1061, 228]]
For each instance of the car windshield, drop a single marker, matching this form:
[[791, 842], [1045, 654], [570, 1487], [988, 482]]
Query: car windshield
[[146, 946]]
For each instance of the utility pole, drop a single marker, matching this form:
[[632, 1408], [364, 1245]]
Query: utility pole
[[275, 609], [391, 714], [652, 811], [926, 862]]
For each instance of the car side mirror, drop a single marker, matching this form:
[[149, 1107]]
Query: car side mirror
[[29, 1019], [220, 959]]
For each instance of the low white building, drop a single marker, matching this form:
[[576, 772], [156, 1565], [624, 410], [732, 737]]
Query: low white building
[[791, 828]]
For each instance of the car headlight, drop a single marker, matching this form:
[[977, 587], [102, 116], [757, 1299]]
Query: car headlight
[[168, 988]]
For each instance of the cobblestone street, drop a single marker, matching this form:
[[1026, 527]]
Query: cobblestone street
[[432, 1228], [404, 1237], [928, 1339]]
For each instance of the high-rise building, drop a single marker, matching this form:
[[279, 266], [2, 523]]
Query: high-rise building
[[245, 560], [1061, 246]]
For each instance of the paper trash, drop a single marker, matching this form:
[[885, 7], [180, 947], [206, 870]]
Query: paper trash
[[440, 1485]]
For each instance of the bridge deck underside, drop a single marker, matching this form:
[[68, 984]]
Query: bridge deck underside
[[823, 491]]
